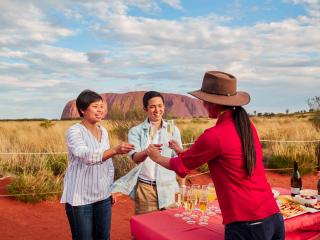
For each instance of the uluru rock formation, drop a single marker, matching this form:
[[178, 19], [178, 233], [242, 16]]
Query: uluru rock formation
[[176, 105]]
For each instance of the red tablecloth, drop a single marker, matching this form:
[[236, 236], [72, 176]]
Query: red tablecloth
[[162, 225]]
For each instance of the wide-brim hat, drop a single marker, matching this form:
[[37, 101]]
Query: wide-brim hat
[[221, 88]]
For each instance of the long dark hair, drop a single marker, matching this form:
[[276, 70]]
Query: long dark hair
[[243, 126]]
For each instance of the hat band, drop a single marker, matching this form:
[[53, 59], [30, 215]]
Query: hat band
[[211, 92]]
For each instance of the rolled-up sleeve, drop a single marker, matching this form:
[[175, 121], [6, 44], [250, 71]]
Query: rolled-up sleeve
[[80, 150], [206, 148]]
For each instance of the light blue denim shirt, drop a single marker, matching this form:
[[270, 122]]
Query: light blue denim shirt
[[166, 179]]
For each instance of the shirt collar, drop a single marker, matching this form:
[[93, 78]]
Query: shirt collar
[[225, 116], [146, 124]]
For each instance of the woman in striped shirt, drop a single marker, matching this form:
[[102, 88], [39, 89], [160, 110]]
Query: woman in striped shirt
[[88, 180]]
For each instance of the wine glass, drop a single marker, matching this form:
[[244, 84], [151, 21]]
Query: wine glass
[[192, 201], [203, 204], [152, 132], [211, 198], [170, 129], [179, 199]]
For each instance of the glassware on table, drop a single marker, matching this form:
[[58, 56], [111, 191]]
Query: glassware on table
[[211, 198], [179, 200], [197, 189], [191, 203], [185, 203], [203, 204]]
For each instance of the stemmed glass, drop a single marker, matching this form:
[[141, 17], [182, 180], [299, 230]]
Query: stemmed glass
[[185, 200], [152, 132], [192, 201], [170, 129], [211, 197], [179, 199], [203, 203]]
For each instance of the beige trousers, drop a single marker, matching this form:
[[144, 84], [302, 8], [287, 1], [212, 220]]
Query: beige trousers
[[146, 198]]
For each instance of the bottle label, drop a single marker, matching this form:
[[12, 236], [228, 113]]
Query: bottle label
[[295, 190]]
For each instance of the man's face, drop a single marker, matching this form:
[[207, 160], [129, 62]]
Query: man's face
[[155, 109]]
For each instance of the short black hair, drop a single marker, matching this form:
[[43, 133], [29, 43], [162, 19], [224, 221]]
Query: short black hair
[[151, 94], [85, 98]]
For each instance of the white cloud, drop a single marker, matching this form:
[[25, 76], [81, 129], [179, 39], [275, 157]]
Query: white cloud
[[312, 6], [24, 23], [144, 52], [173, 3]]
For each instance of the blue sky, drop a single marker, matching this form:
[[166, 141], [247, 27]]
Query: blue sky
[[51, 50]]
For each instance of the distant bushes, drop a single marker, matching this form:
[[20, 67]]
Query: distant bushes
[[117, 113], [189, 135], [36, 188]]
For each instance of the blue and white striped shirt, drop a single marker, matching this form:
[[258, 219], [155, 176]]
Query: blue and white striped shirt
[[88, 179]]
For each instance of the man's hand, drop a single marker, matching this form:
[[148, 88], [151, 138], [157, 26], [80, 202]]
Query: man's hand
[[154, 151]]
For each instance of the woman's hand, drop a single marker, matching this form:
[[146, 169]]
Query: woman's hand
[[123, 148], [114, 198], [175, 146], [154, 151]]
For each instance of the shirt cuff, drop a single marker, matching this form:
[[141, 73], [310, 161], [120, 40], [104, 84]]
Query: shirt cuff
[[131, 153], [177, 166]]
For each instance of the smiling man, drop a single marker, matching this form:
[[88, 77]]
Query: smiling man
[[150, 185]]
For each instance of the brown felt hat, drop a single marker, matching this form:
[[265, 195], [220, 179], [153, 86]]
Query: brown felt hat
[[221, 88]]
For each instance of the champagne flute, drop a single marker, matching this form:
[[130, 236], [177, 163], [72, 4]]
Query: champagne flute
[[179, 200], [170, 129], [152, 132], [211, 198], [185, 200], [203, 203], [192, 201]]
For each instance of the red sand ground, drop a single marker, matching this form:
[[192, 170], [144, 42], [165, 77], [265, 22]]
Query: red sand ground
[[47, 220]]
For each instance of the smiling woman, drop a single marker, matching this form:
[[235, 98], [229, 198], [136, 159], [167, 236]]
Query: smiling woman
[[89, 176]]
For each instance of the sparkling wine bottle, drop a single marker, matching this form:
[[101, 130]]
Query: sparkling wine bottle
[[296, 183]]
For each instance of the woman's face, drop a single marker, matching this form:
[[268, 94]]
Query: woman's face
[[155, 109], [95, 112], [212, 109]]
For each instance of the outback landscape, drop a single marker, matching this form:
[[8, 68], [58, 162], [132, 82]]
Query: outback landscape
[[33, 161]]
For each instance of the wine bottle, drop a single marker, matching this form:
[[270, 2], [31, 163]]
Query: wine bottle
[[296, 183]]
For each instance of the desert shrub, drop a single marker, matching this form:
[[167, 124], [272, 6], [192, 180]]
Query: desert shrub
[[188, 135], [306, 162], [121, 129], [57, 164], [37, 188], [137, 114], [21, 164], [199, 120], [122, 165], [315, 120], [47, 124]]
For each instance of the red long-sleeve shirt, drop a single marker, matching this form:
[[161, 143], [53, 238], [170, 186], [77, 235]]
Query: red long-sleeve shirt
[[241, 197]]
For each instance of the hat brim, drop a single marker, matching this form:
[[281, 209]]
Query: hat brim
[[239, 99]]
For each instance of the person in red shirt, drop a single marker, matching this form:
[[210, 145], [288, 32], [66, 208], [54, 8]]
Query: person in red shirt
[[234, 155]]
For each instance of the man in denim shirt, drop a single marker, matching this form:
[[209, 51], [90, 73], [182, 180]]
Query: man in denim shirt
[[151, 186]]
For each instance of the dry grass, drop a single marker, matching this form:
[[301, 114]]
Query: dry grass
[[44, 137]]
